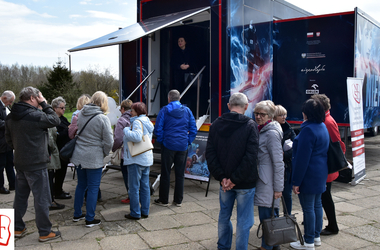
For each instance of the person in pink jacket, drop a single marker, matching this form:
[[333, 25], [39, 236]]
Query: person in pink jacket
[[82, 100], [327, 201]]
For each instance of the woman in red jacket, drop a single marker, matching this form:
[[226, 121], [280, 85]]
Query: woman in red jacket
[[327, 201]]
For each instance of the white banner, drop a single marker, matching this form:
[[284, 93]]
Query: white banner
[[355, 107]]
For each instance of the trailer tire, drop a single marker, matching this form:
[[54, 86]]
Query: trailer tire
[[374, 131]]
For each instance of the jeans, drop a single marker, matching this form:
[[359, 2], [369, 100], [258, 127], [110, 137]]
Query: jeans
[[287, 192], [266, 213], [139, 190], [6, 162], [312, 215], [329, 207], [245, 220], [87, 179], [37, 182], [168, 157], [124, 171]]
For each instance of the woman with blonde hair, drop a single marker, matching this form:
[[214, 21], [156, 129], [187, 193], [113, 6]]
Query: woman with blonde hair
[[82, 100], [92, 146], [124, 121], [270, 184]]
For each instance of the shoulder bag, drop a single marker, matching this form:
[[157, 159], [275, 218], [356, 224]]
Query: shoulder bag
[[67, 151], [336, 160], [116, 156], [137, 148], [280, 230]]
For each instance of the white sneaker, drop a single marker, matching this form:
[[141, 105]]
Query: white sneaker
[[317, 241], [297, 245]]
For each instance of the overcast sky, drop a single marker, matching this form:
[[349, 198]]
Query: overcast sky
[[38, 32]]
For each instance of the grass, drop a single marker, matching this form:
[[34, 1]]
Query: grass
[[68, 114]]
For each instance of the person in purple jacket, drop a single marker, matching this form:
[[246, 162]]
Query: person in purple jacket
[[175, 130], [310, 171], [124, 121]]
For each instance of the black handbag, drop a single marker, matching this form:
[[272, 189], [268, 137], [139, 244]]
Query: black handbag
[[280, 230], [67, 151], [336, 160]]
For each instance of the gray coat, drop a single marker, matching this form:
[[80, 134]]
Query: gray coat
[[271, 165], [96, 140]]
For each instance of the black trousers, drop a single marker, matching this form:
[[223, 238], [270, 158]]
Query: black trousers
[[329, 207], [59, 176]]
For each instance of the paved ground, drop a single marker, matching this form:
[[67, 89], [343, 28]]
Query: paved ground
[[194, 225]]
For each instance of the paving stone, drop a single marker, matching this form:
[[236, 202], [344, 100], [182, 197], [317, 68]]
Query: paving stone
[[201, 196], [129, 241], [344, 241], [191, 219], [36, 247], [369, 214], [121, 228], [159, 223], [347, 207], [201, 232], [163, 238], [366, 232], [187, 207], [209, 204], [86, 244], [348, 195], [351, 221], [115, 214], [76, 232], [191, 246]]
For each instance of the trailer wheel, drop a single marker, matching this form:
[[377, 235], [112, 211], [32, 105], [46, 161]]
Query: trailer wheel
[[374, 131]]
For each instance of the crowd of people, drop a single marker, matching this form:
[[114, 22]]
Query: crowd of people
[[256, 161]]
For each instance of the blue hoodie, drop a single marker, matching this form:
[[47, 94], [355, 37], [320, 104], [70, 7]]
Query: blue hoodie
[[135, 135], [175, 126]]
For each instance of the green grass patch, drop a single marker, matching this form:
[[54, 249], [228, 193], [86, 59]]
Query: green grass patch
[[68, 114]]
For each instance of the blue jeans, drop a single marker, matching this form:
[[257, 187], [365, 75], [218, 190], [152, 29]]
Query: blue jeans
[[312, 215], [87, 179], [37, 182], [287, 192], [139, 190], [168, 157], [6, 162], [266, 213], [245, 220]]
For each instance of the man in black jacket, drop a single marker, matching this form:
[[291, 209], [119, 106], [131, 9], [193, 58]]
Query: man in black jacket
[[26, 132], [6, 153], [231, 155]]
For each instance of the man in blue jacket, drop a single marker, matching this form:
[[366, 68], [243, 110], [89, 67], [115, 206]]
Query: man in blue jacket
[[175, 130]]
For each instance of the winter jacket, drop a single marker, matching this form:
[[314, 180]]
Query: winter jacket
[[288, 135], [63, 132], [310, 158], [26, 132], [232, 148], [175, 126], [4, 147], [73, 127], [134, 134], [333, 129], [55, 162], [124, 121], [271, 165], [96, 140]]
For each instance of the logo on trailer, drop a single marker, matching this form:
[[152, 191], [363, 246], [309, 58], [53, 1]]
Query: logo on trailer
[[5, 228], [310, 34], [356, 93]]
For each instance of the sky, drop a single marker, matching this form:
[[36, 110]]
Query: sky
[[39, 32]]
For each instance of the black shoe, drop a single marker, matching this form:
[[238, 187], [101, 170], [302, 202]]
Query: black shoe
[[160, 203], [93, 223], [56, 206], [3, 190], [327, 232], [63, 196], [129, 216], [82, 217], [64, 192], [276, 248], [144, 216]]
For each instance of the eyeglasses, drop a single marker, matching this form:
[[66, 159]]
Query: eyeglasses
[[260, 114], [63, 108]]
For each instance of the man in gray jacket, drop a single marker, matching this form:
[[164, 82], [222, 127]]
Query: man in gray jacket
[[26, 132]]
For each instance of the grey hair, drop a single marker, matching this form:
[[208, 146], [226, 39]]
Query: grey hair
[[268, 106], [57, 101], [174, 95], [8, 94], [280, 110], [27, 93], [238, 99]]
